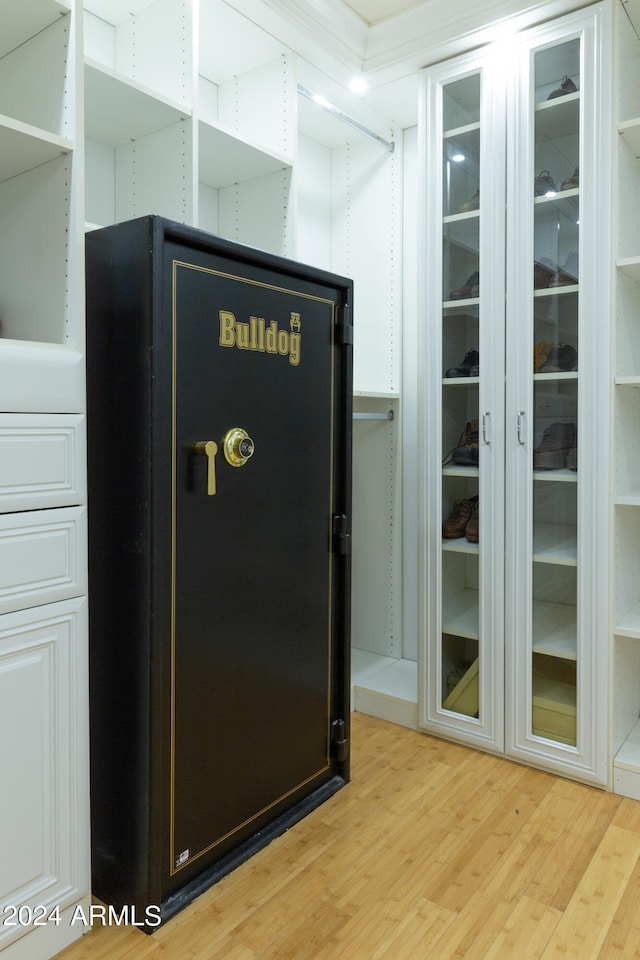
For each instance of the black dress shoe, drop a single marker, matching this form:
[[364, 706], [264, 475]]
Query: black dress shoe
[[471, 360], [567, 86], [469, 290]]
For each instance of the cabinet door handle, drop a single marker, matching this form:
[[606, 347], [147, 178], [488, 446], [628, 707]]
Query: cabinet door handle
[[485, 421], [521, 414], [208, 449]]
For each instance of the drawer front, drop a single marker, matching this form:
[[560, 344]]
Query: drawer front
[[43, 557], [42, 461]]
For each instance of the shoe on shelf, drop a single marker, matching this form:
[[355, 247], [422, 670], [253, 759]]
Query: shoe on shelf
[[567, 275], [472, 204], [471, 361], [544, 270], [541, 352], [456, 523], [469, 289], [475, 370], [544, 184], [570, 183], [572, 457], [566, 86], [562, 358], [553, 450], [466, 453], [472, 529]]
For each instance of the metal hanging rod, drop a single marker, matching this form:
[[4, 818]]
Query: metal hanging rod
[[374, 416], [320, 101]]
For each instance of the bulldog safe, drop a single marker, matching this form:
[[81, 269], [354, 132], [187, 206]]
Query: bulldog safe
[[219, 418]]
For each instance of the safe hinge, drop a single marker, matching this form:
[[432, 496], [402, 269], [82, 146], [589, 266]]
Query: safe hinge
[[339, 740], [344, 327], [341, 535]]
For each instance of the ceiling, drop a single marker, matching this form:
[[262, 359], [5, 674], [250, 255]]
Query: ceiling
[[373, 11]]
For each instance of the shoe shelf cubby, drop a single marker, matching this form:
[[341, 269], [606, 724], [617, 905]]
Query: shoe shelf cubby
[[39, 171]]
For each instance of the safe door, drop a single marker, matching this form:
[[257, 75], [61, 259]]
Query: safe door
[[255, 439]]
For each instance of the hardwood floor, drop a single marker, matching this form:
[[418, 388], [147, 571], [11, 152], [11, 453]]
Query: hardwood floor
[[432, 851]]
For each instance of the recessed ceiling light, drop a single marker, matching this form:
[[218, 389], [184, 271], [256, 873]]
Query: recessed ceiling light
[[358, 85], [458, 157]]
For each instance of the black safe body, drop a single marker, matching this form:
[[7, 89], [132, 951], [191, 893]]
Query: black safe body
[[219, 592]]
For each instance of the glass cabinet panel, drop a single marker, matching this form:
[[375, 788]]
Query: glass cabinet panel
[[460, 371], [555, 351]]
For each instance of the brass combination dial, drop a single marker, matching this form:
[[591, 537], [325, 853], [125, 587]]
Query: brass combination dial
[[238, 447]]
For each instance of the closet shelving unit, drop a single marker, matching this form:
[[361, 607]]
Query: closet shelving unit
[[43, 577], [626, 508]]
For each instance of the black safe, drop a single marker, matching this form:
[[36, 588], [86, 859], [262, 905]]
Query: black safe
[[219, 386]]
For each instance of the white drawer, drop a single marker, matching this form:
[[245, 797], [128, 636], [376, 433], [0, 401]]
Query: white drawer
[[43, 557], [42, 461]]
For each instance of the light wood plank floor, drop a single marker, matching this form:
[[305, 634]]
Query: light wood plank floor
[[432, 851]]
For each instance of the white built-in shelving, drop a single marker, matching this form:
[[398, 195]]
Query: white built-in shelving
[[626, 450]]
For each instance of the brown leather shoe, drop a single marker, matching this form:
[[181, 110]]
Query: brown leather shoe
[[456, 523], [570, 183], [472, 531], [544, 270], [553, 450]]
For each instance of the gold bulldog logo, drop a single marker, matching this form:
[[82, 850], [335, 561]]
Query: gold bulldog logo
[[259, 337]]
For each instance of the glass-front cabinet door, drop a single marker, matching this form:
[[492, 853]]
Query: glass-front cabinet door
[[514, 348], [464, 304], [557, 430]]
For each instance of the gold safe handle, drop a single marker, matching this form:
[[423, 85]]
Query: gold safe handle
[[209, 449]]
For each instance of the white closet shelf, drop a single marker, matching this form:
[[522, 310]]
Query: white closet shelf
[[629, 499], [631, 381], [556, 291], [558, 118], [554, 629], [225, 158], [461, 217], [630, 266], [629, 624], [628, 756], [460, 381], [460, 545], [568, 375], [472, 302], [27, 19], [563, 475], [630, 131], [119, 110], [457, 471], [23, 147], [558, 197], [375, 395], [555, 543], [460, 615]]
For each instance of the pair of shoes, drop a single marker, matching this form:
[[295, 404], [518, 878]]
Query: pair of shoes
[[567, 275], [470, 366], [469, 289], [462, 521], [552, 453], [472, 204], [570, 183], [466, 451], [566, 86], [544, 184], [554, 357]]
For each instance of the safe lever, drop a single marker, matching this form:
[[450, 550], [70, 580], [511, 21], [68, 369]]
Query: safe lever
[[208, 449]]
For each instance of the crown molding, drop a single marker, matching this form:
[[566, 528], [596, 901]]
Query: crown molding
[[337, 41]]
